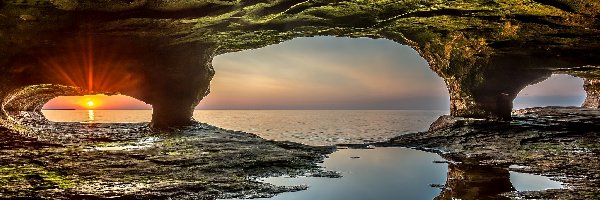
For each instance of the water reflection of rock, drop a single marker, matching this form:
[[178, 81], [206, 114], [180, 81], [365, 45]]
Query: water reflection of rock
[[476, 182], [556, 141]]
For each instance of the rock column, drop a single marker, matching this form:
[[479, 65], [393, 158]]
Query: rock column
[[177, 79]]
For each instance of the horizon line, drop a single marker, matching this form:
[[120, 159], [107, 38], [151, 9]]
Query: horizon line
[[243, 109]]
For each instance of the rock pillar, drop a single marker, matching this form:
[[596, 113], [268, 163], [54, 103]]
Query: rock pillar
[[592, 88], [177, 79]]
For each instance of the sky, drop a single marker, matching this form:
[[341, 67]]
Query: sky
[[558, 90], [331, 73]]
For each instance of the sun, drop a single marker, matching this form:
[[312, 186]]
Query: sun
[[90, 103]]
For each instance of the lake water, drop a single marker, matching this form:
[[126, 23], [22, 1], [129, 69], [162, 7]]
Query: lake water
[[380, 173], [312, 127], [372, 174], [393, 173]]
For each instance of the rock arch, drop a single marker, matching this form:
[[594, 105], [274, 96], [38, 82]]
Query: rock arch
[[30, 99], [485, 52], [172, 78]]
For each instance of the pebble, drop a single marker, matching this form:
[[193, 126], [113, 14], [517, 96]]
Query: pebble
[[28, 18]]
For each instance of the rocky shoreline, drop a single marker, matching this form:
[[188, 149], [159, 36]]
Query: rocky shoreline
[[130, 161], [562, 143]]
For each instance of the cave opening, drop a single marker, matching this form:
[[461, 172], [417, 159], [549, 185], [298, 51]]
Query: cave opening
[[315, 73], [326, 72], [333, 89], [557, 90], [98, 108]]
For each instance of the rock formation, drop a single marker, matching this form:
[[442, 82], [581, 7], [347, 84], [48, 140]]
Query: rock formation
[[592, 88], [161, 51]]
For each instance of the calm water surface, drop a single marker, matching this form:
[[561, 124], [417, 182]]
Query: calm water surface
[[381, 173], [394, 173], [313, 127]]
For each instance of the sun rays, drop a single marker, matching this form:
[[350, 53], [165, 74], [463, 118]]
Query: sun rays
[[92, 66]]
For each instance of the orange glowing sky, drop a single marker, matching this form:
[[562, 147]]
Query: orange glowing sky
[[96, 102], [329, 73]]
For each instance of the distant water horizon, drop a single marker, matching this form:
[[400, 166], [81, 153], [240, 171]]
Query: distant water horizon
[[244, 109], [522, 101], [311, 127], [307, 126]]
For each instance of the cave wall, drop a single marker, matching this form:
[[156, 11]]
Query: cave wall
[[161, 51]]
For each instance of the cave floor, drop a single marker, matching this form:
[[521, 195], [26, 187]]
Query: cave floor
[[130, 161], [560, 142]]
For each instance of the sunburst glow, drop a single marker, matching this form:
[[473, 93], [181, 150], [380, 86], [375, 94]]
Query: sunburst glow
[[97, 102], [90, 103], [91, 66]]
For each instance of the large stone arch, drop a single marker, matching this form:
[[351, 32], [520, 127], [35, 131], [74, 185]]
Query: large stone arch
[[485, 51], [172, 78]]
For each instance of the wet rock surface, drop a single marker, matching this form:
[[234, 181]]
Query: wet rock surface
[[560, 142], [131, 161]]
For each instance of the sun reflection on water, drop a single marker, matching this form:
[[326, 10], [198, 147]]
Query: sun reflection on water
[[90, 116]]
